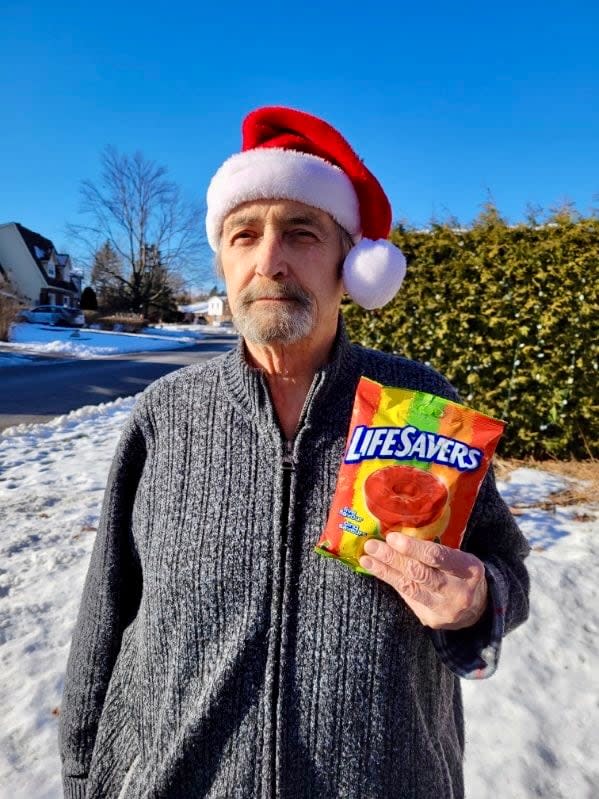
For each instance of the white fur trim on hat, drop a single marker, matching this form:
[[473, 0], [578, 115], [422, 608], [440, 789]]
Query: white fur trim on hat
[[373, 271], [272, 173]]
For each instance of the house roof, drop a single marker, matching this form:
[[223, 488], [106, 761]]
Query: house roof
[[197, 307], [40, 248]]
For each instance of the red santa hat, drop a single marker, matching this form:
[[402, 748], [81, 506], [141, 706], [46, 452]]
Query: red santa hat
[[291, 155]]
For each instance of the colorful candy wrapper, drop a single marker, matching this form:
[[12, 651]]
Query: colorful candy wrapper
[[413, 463]]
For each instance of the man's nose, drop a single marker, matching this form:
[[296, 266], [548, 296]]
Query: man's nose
[[270, 256]]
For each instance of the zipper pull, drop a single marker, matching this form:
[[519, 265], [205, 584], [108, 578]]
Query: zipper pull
[[288, 462]]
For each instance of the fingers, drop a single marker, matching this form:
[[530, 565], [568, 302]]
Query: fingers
[[445, 588], [452, 561], [396, 568], [409, 589]]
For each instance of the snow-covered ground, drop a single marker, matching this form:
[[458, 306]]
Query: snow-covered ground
[[532, 728], [86, 342]]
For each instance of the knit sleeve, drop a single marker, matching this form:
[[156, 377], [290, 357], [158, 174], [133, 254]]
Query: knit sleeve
[[494, 537], [110, 601]]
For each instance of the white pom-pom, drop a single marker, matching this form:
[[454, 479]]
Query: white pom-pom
[[373, 272]]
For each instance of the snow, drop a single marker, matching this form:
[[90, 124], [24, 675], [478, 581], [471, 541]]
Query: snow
[[52, 478], [88, 343], [531, 729]]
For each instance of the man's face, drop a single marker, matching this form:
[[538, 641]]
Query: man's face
[[280, 260]]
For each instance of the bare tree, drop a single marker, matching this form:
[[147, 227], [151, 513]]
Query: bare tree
[[140, 213]]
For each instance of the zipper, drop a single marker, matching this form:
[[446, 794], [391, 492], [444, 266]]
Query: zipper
[[288, 465], [288, 468]]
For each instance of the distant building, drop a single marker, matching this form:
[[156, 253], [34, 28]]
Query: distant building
[[34, 269], [195, 313], [218, 309], [214, 310]]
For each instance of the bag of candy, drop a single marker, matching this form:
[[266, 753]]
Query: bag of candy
[[413, 463]]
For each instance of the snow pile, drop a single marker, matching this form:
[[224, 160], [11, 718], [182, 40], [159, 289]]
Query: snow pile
[[175, 330], [86, 342], [69, 347], [52, 479], [530, 728]]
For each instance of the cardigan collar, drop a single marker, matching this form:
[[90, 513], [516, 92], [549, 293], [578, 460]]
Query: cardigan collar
[[325, 404]]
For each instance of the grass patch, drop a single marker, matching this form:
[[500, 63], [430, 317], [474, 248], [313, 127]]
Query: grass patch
[[582, 477]]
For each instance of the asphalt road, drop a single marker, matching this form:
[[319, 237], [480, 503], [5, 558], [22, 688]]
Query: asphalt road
[[53, 386]]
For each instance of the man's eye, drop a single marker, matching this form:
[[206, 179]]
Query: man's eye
[[303, 234], [242, 235]]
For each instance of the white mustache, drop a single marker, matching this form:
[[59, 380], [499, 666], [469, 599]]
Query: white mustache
[[279, 291]]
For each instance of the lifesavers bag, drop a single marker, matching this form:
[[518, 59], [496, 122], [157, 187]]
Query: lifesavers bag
[[414, 463]]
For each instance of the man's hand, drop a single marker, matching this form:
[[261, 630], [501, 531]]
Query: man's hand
[[446, 588]]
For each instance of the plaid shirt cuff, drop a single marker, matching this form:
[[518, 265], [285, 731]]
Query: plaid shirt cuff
[[473, 653]]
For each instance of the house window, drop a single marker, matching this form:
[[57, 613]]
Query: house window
[[50, 269]]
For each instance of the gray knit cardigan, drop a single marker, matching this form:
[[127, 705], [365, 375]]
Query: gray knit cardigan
[[217, 655]]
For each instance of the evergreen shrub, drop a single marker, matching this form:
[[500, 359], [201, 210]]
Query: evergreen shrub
[[509, 315]]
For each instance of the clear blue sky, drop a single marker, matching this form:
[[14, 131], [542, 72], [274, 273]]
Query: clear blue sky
[[445, 102]]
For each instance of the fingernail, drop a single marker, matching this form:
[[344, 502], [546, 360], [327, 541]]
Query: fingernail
[[372, 547], [392, 538], [366, 562]]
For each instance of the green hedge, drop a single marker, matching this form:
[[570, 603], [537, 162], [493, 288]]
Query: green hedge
[[509, 315]]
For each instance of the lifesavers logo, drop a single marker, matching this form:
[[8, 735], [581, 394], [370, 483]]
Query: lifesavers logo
[[409, 443]]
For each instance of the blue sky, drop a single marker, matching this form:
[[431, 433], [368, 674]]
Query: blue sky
[[448, 104]]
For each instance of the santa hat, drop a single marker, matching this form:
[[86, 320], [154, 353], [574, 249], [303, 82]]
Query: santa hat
[[290, 155]]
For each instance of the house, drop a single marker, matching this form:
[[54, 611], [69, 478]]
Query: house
[[218, 309], [214, 310], [195, 313], [34, 270]]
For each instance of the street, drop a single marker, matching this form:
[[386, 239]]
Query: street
[[56, 386]]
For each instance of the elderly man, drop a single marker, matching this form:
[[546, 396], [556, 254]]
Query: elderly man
[[215, 654]]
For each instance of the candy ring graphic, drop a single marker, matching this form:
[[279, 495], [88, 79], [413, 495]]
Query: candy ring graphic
[[409, 500]]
